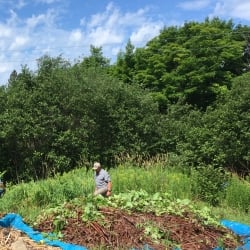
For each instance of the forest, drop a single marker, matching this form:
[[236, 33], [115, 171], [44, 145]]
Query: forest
[[185, 95]]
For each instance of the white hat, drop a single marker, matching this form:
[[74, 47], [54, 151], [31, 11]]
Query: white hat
[[96, 165]]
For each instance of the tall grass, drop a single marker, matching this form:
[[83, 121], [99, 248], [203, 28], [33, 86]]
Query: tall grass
[[153, 180], [238, 194], [28, 199]]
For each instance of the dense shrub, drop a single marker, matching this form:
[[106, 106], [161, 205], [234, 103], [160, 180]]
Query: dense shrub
[[209, 183]]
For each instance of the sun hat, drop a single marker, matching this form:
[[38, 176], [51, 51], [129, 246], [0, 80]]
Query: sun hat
[[96, 165]]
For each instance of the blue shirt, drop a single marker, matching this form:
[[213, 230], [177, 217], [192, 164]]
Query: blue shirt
[[102, 178]]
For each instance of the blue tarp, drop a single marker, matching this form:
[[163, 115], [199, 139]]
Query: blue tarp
[[16, 221], [241, 230]]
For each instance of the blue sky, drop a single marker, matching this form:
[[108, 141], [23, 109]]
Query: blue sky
[[30, 29]]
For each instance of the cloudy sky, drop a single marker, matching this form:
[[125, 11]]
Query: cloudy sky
[[30, 29]]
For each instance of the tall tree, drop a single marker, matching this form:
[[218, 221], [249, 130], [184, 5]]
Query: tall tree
[[195, 62], [95, 59], [125, 64], [220, 136]]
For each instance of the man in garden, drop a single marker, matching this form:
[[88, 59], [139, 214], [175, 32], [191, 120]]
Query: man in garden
[[102, 181]]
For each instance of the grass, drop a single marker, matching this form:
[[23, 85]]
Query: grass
[[152, 180], [29, 199], [231, 214]]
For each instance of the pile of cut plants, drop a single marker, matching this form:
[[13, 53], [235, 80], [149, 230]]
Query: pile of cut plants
[[135, 220]]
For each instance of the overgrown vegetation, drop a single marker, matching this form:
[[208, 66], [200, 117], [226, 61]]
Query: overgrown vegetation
[[170, 121], [185, 94], [149, 187], [155, 188]]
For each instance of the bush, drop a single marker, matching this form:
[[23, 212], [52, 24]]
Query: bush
[[209, 183]]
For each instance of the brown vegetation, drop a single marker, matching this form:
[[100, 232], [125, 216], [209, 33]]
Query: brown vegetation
[[123, 230]]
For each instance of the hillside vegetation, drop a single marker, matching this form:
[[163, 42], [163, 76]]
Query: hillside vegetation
[[185, 94], [154, 201], [171, 118]]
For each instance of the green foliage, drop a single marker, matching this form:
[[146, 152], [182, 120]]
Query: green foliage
[[2, 174], [153, 231], [60, 215], [125, 65], [139, 201], [238, 195], [209, 183], [219, 136], [62, 114], [95, 60], [178, 127], [133, 201], [30, 198], [62, 194], [157, 203], [195, 62], [226, 130], [91, 213], [52, 236], [153, 178]]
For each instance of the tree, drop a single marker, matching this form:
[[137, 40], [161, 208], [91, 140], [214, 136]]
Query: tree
[[220, 136], [96, 59], [125, 64], [62, 115], [13, 123], [195, 62], [231, 137]]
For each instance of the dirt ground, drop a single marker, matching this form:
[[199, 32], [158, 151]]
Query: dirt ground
[[121, 230]]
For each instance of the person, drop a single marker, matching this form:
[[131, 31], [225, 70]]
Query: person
[[103, 184], [2, 188]]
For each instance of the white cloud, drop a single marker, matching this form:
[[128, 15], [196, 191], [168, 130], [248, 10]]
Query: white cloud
[[48, 1], [115, 50], [102, 36], [76, 35], [13, 4], [232, 9], [145, 33], [194, 5], [5, 31], [13, 20], [82, 21], [134, 18], [4, 68], [242, 11], [19, 42], [97, 20], [114, 27], [47, 19], [24, 40], [20, 4]]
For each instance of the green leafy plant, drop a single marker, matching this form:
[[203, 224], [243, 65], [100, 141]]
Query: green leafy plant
[[52, 236], [209, 183], [153, 231], [59, 222], [91, 213]]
